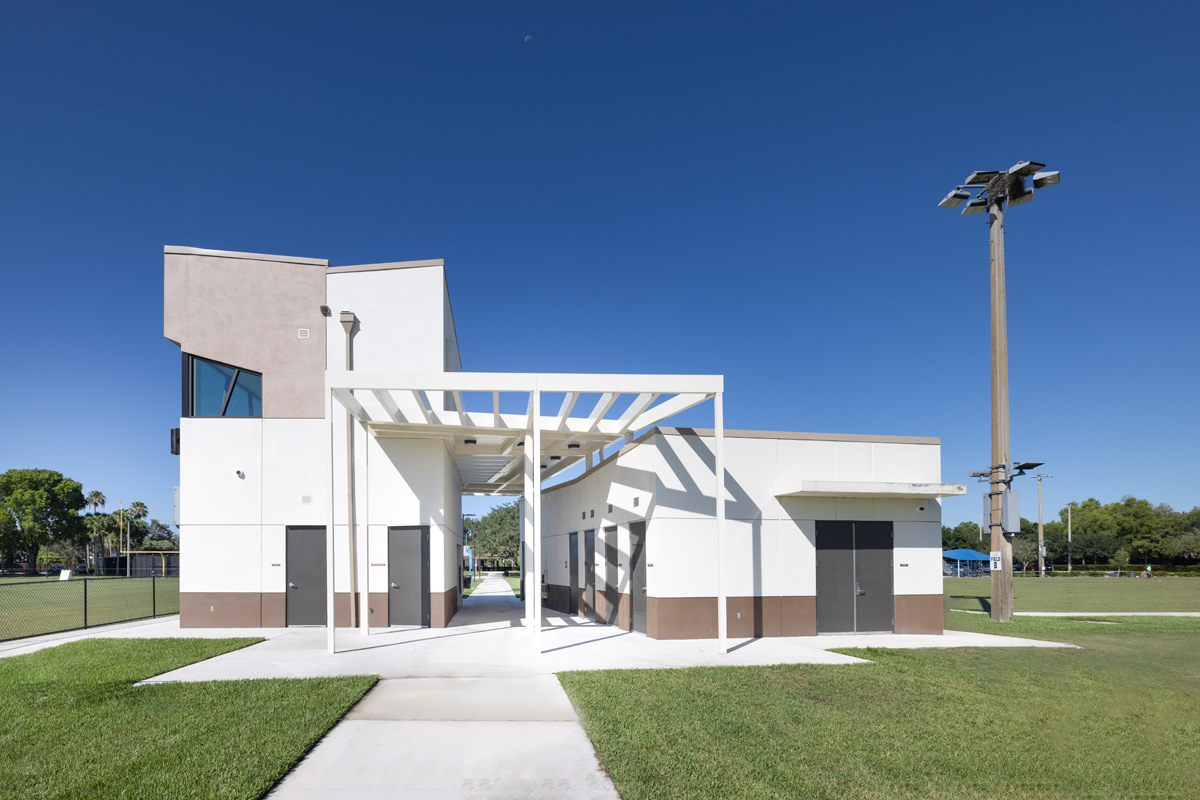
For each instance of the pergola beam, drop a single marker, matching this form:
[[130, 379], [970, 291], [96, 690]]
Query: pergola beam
[[636, 407], [564, 411], [667, 408], [602, 406], [496, 382], [419, 396], [386, 400]]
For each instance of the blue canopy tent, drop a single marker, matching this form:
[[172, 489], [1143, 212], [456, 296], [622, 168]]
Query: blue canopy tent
[[964, 554]]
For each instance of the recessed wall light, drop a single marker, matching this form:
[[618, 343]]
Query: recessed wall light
[[573, 446], [469, 441], [556, 458]]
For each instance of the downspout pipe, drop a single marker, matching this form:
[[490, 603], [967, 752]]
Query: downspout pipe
[[348, 321]]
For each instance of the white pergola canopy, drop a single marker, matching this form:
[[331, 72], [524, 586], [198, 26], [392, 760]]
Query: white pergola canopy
[[488, 447], [511, 454]]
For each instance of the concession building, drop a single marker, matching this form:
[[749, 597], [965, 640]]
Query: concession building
[[317, 398]]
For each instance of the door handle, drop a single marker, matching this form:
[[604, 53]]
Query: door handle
[[291, 585], [858, 589], [394, 586]]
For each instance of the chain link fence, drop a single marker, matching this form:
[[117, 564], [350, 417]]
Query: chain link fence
[[36, 607]]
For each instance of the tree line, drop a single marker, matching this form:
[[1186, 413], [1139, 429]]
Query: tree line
[[496, 536], [43, 521], [1129, 531]]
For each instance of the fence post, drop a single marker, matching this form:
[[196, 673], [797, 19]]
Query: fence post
[[85, 583], [153, 598]]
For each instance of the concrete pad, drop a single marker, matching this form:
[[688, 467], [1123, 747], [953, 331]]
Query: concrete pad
[[365, 760], [532, 698]]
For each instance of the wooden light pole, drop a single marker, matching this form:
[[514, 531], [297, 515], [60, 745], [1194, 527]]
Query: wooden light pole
[[994, 192], [1002, 579], [1041, 530]]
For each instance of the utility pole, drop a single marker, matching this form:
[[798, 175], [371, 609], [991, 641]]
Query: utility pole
[[121, 533], [1068, 537], [1041, 531]]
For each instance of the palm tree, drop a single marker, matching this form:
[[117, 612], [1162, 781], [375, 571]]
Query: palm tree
[[137, 509], [96, 499], [96, 525]]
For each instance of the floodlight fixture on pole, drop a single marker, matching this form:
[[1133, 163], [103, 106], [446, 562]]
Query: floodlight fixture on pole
[[995, 192]]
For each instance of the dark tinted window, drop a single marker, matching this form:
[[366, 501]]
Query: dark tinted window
[[220, 390], [246, 398]]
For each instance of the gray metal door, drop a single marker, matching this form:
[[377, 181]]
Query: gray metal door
[[835, 577], [408, 576], [854, 577], [874, 601], [637, 576], [305, 552], [573, 561], [589, 574], [612, 597]]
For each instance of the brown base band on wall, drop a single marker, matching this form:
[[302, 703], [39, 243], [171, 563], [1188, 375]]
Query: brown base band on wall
[[696, 617], [442, 607], [220, 610], [269, 609], [919, 613], [274, 610], [558, 598], [377, 614]]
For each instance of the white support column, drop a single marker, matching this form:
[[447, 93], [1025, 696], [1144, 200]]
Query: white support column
[[719, 435], [329, 594], [527, 529], [364, 586], [537, 522]]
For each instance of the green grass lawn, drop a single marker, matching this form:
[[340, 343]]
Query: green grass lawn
[[514, 583], [474, 585], [72, 724], [1119, 718], [1080, 594], [46, 606]]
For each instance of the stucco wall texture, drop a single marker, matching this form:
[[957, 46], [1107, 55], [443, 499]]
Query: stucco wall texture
[[248, 311]]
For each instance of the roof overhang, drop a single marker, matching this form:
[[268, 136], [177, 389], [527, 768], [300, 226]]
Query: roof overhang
[[398, 405], [868, 489]]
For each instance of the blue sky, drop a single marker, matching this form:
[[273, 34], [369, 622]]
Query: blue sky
[[739, 188]]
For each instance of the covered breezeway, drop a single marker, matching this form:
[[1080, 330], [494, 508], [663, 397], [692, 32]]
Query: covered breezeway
[[499, 452]]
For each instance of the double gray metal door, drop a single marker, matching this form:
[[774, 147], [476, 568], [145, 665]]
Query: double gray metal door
[[637, 576], [854, 577], [305, 553], [408, 576], [573, 561]]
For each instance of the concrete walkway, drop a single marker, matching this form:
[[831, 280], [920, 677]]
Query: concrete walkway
[[494, 734], [471, 710]]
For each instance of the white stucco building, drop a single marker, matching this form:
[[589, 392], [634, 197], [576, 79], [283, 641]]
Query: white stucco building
[[321, 398]]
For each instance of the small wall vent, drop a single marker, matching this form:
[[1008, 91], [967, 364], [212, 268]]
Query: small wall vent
[[306, 499], [302, 333]]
